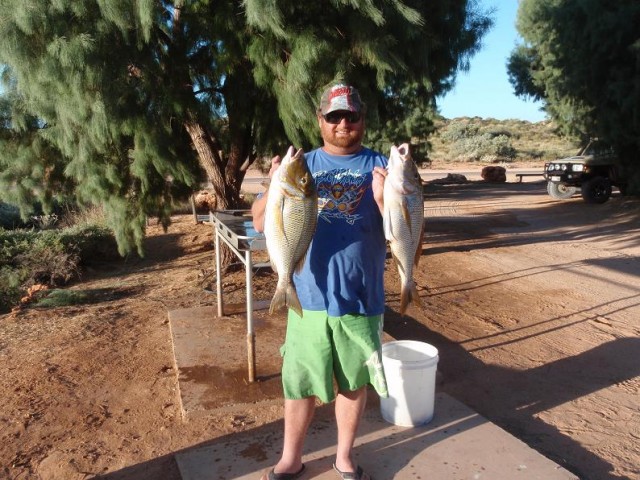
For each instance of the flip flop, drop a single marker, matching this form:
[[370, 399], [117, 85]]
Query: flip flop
[[357, 475], [285, 476]]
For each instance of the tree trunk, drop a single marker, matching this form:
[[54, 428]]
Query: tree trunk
[[213, 165]]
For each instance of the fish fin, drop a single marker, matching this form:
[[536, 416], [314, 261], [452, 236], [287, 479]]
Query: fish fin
[[278, 218], [416, 260], [279, 299], [401, 270], [405, 297], [273, 265], [415, 297], [406, 214], [409, 294], [285, 296], [293, 302], [298, 266]]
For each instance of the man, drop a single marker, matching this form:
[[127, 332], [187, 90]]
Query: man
[[340, 288]]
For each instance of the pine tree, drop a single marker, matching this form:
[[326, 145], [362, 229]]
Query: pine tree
[[135, 98]]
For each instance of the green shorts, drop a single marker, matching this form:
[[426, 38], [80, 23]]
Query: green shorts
[[319, 348]]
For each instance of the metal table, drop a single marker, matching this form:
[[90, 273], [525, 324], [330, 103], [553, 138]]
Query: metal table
[[235, 228]]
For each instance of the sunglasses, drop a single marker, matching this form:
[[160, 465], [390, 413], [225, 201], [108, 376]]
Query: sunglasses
[[336, 117]]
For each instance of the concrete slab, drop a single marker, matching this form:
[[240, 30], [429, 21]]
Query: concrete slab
[[457, 444], [212, 370]]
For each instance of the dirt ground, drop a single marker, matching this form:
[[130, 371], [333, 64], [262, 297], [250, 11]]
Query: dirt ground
[[533, 303]]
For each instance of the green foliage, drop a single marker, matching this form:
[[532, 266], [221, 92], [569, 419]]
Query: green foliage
[[9, 216], [408, 119], [10, 291], [62, 298], [401, 55], [489, 140], [469, 142], [583, 59], [125, 104], [49, 257]]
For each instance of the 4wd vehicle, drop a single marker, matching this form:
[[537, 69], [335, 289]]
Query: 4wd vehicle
[[593, 170]]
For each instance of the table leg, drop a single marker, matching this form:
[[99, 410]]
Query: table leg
[[219, 276], [251, 338]]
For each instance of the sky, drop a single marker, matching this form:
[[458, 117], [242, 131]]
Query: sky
[[484, 91]]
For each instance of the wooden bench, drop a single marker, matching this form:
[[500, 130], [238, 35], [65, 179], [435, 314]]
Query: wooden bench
[[520, 175]]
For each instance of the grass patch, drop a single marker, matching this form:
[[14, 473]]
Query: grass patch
[[63, 298], [59, 297]]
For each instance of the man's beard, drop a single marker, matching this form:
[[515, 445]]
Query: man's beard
[[347, 141]]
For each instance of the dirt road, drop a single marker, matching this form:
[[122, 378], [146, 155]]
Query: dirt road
[[533, 303], [536, 304]]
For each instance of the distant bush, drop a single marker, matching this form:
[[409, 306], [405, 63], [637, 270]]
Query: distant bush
[[469, 142], [459, 131], [473, 139]]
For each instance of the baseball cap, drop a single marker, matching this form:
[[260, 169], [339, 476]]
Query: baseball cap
[[340, 97]]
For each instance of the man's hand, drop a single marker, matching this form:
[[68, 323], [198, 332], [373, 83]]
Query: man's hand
[[377, 185], [259, 206], [275, 163]]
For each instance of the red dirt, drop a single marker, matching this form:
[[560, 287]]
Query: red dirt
[[533, 304]]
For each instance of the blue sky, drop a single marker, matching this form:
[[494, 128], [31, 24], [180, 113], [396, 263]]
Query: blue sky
[[484, 91]]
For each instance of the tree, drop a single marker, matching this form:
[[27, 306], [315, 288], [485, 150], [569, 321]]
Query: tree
[[35, 164], [582, 57], [139, 96]]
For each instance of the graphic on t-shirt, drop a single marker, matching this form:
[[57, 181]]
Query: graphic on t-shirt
[[339, 194]]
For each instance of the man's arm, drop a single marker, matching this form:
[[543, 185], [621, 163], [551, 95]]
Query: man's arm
[[257, 211], [260, 204], [377, 185]]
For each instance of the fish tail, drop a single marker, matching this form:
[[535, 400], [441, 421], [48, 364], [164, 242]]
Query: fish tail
[[285, 295], [292, 300], [409, 294], [279, 299]]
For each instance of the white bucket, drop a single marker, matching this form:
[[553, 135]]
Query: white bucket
[[410, 368]]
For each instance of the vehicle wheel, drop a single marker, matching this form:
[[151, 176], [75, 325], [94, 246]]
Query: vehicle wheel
[[596, 190], [560, 191]]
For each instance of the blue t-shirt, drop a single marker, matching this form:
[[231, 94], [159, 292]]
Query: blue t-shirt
[[344, 269]]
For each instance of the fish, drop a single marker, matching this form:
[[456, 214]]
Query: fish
[[291, 216], [403, 220]]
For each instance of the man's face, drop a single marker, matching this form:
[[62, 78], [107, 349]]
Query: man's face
[[345, 135]]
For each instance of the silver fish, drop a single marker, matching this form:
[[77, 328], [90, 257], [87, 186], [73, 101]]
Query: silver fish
[[290, 221], [403, 219]]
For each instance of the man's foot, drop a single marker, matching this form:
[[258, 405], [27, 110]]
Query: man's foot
[[357, 475], [283, 476]]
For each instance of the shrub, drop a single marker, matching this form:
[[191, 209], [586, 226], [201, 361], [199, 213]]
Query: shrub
[[484, 147], [10, 291], [49, 257], [454, 140], [63, 298]]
